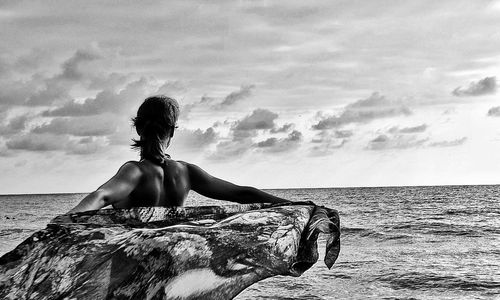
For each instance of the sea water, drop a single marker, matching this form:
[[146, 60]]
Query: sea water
[[396, 243]]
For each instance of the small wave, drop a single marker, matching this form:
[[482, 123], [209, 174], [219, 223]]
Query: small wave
[[13, 231], [371, 233], [352, 230], [492, 230], [443, 229], [426, 281], [399, 298], [458, 230], [302, 297], [468, 212], [402, 226], [398, 236], [24, 214], [338, 275], [299, 286], [459, 212], [364, 232], [446, 232], [408, 231], [355, 264]]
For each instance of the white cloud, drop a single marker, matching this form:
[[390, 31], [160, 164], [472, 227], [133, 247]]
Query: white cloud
[[79, 126], [105, 101], [86, 146], [15, 125], [286, 127], [193, 140], [450, 143], [258, 119], [485, 86], [72, 68], [214, 103], [494, 111], [383, 142], [412, 129], [230, 150], [291, 142], [244, 92], [374, 107], [37, 142], [325, 142], [46, 142]]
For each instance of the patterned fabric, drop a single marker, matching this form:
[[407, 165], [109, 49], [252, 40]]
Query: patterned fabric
[[211, 252]]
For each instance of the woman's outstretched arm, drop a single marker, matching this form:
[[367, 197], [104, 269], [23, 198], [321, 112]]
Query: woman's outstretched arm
[[113, 191], [212, 187]]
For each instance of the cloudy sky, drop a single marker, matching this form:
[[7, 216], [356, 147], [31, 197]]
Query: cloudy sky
[[274, 94]]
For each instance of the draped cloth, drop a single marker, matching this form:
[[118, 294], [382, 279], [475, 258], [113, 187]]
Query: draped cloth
[[206, 252]]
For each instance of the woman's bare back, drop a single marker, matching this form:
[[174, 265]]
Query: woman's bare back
[[145, 184], [160, 185]]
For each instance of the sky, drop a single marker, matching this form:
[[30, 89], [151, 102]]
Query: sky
[[273, 94]]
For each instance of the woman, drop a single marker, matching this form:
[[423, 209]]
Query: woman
[[157, 180]]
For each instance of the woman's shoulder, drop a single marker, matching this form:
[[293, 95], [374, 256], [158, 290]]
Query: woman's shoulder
[[190, 168], [129, 171], [180, 162], [175, 164], [131, 166], [184, 165]]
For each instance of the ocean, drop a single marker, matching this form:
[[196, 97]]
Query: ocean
[[440, 242]]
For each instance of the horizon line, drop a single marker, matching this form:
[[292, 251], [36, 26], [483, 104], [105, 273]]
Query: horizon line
[[288, 188]]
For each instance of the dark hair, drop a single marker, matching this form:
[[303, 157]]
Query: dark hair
[[156, 120]]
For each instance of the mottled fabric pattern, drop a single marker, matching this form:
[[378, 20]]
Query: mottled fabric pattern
[[211, 252]]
